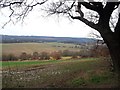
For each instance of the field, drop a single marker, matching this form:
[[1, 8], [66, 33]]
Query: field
[[18, 48], [66, 72], [80, 73]]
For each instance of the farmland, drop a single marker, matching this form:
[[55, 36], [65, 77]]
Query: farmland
[[18, 48], [81, 73]]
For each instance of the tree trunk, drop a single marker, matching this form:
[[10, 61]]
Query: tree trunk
[[112, 41], [114, 49]]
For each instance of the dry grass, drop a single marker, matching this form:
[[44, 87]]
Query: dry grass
[[18, 48]]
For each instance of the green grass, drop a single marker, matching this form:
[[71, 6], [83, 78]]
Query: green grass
[[89, 72], [76, 82], [39, 62], [21, 63], [96, 79]]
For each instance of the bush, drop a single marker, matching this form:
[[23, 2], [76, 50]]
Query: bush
[[9, 57], [100, 51], [69, 53], [44, 56], [24, 56], [29, 56], [56, 55], [74, 56], [4, 57], [66, 53], [35, 55], [85, 53]]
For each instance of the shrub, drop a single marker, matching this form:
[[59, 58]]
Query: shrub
[[68, 53], [44, 56], [99, 51], [35, 55], [85, 53], [24, 56], [29, 56], [9, 57], [56, 55], [12, 57], [74, 56], [4, 57]]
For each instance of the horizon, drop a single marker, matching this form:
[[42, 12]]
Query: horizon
[[46, 36]]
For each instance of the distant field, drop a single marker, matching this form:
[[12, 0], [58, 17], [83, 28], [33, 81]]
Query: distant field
[[86, 73], [18, 48]]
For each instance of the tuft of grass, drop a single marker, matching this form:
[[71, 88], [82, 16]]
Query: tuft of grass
[[96, 79], [76, 82]]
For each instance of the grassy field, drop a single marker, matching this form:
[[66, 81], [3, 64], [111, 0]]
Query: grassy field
[[81, 73], [18, 48]]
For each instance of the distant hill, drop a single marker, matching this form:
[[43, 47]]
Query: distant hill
[[40, 39]]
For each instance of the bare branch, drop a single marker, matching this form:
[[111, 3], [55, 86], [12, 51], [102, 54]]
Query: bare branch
[[19, 8], [9, 4], [92, 5], [91, 24], [59, 7], [94, 35]]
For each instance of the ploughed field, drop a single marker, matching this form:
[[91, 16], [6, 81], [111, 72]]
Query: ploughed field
[[86, 73]]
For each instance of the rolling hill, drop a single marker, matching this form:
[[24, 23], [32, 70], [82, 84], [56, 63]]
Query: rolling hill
[[39, 39]]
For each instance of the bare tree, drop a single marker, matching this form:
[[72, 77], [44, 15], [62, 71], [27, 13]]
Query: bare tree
[[98, 18]]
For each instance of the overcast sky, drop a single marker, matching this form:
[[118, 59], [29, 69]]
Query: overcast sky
[[37, 25]]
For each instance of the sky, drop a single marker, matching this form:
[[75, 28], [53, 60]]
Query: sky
[[37, 25]]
